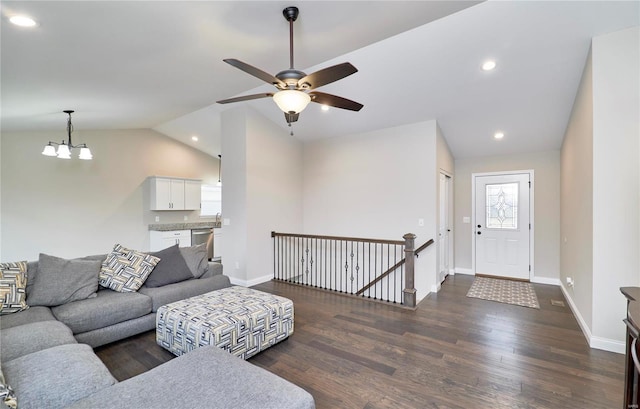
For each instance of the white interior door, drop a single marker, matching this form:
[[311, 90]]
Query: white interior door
[[444, 227], [502, 225]]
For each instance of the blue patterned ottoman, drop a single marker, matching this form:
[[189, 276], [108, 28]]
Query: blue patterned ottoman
[[238, 319]]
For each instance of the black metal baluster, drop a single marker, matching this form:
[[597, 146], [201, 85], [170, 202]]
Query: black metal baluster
[[357, 267]]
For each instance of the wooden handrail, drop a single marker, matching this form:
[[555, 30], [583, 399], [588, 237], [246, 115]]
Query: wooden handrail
[[381, 276], [390, 270], [315, 236], [424, 246]]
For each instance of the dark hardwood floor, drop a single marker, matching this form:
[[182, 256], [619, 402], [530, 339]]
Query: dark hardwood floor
[[453, 352]]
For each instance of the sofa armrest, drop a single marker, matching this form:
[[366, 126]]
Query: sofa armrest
[[214, 269], [205, 377]]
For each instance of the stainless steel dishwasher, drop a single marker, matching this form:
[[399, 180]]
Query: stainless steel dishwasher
[[199, 236]]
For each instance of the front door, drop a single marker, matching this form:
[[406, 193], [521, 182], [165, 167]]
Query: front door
[[502, 225]]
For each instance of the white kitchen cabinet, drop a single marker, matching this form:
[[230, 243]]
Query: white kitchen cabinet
[[159, 240], [192, 194], [217, 244], [174, 194]]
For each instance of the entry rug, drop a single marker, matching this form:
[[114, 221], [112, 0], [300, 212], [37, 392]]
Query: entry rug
[[504, 291]]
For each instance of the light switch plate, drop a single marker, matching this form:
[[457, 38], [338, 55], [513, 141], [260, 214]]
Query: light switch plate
[[226, 222], [420, 222], [466, 219], [157, 218]]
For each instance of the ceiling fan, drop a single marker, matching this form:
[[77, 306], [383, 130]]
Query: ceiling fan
[[293, 85]]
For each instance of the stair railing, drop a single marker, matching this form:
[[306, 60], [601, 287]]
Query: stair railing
[[372, 268]]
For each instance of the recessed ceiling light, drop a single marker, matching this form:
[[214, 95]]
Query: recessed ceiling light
[[22, 21], [498, 135], [194, 138], [325, 107], [489, 65]]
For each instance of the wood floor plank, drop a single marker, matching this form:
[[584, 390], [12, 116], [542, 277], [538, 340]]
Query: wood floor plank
[[452, 352]]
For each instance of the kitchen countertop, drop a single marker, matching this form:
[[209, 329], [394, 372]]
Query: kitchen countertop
[[184, 226]]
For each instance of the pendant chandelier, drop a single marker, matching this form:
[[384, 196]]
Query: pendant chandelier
[[64, 148]]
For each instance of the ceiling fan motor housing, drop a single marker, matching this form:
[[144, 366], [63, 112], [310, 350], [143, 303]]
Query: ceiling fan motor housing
[[291, 77]]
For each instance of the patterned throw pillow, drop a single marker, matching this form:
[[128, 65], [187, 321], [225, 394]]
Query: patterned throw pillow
[[125, 270], [13, 284], [7, 396]]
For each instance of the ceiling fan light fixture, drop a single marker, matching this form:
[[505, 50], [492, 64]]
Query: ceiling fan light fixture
[[291, 101]]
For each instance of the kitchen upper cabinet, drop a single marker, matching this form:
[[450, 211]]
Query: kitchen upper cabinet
[[192, 194], [174, 194]]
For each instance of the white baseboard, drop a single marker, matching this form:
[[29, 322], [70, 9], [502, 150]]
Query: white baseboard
[[252, 282], [545, 280], [435, 288], [465, 271], [607, 344], [604, 344]]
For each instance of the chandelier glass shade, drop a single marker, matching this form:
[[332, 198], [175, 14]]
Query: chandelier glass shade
[[65, 147], [291, 101]]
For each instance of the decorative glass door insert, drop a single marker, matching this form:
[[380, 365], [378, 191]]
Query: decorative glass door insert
[[502, 206]]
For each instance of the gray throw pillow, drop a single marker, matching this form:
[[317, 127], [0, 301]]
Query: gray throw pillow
[[196, 259], [61, 281], [170, 269]]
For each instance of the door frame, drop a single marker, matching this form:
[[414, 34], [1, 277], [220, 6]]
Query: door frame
[[530, 172]]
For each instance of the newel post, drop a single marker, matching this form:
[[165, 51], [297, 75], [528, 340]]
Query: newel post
[[409, 283]]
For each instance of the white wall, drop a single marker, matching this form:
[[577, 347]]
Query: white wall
[[600, 155], [234, 193], [616, 201], [72, 208], [375, 185], [274, 191], [262, 179], [546, 167], [576, 199]]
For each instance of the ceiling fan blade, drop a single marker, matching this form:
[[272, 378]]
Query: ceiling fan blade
[[291, 117], [256, 72], [326, 76], [335, 101], [244, 98]]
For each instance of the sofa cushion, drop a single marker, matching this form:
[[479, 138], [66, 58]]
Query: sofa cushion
[[108, 308], [13, 287], [196, 259], [33, 314], [125, 270], [25, 339], [207, 377], [7, 395], [185, 289], [59, 281], [56, 377], [170, 269]]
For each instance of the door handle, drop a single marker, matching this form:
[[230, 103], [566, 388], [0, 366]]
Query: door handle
[[479, 226], [479, 232]]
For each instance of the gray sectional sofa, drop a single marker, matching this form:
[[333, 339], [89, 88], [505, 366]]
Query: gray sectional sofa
[[47, 357]]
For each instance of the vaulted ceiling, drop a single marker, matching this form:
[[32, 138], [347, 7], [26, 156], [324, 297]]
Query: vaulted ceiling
[[138, 64]]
